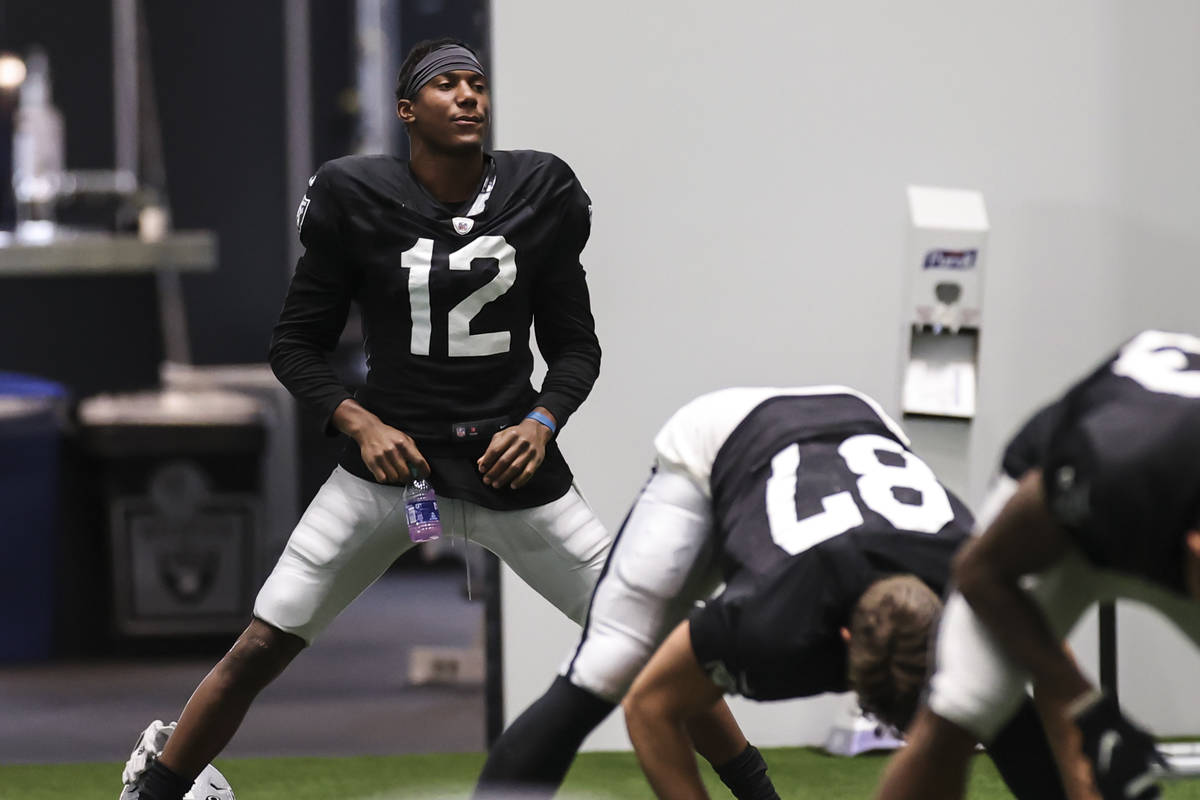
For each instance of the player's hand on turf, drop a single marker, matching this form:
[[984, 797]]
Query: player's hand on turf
[[514, 454], [1124, 758]]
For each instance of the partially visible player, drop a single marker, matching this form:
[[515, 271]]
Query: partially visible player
[[452, 255], [1100, 500], [825, 527]]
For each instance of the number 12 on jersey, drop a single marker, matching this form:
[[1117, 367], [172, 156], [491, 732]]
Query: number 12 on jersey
[[418, 260], [840, 511]]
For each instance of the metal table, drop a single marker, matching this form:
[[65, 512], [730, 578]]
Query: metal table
[[70, 253], [90, 253]]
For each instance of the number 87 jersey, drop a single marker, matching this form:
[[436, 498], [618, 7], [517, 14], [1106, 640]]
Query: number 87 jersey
[[791, 469], [815, 496]]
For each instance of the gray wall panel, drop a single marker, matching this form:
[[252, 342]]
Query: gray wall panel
[[748, 164]]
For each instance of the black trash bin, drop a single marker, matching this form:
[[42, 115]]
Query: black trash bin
[[31, 414], [181, 472]]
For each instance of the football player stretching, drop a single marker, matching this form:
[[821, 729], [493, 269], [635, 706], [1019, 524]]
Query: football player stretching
[[1099, 499]]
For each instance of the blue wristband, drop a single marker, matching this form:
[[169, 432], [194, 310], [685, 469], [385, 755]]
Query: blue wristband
[[542, 418]]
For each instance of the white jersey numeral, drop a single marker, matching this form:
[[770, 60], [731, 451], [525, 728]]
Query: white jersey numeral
[[462, 341], [418, 260], [1159, 362], [876, 484], [840, 513]]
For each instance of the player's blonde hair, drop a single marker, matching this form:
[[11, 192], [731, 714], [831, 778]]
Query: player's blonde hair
[[891, 631]]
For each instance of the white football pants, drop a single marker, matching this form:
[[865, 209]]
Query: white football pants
[[661, 564], [354, 529], [976, 685]]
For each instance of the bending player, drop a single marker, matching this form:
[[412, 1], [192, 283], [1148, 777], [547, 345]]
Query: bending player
[[809, 503], [1100, 500]]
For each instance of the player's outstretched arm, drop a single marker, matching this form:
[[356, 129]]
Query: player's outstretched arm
[[717, 736], [1066, 745], [390, 454], [671, 689]]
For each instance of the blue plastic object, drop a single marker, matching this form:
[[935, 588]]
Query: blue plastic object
[[31, 410]]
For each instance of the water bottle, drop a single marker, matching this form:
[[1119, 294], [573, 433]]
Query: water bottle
[[37, 150], [421, 510]]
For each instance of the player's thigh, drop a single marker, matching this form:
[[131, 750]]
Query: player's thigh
[[976, 684], [661, 564], [350, 533], [558, 548]]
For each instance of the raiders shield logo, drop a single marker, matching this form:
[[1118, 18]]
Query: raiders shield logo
[[463, 225]]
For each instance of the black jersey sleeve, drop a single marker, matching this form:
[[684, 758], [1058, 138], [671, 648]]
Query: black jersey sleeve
[[563, 323], [1121, 486], [1027, 449], [317, 303]]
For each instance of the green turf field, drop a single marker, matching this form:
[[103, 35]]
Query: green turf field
[[798, 773]]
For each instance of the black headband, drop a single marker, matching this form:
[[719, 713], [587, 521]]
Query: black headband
[[436, 62]]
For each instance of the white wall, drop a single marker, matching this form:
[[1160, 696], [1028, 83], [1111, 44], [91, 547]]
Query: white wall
[[747, 162]]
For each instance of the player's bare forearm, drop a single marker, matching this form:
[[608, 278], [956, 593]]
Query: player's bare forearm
[[1065, 742], [934, 762], [1024, 539], [390, 454], [352, 419], [515, 453], [669, 691]]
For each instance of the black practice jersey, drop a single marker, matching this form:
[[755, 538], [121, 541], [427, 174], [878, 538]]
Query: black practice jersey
[[815, 498], [1120, 455], [448, 295]]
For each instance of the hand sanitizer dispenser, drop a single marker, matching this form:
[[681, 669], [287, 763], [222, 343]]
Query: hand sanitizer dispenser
[[944, 307]]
